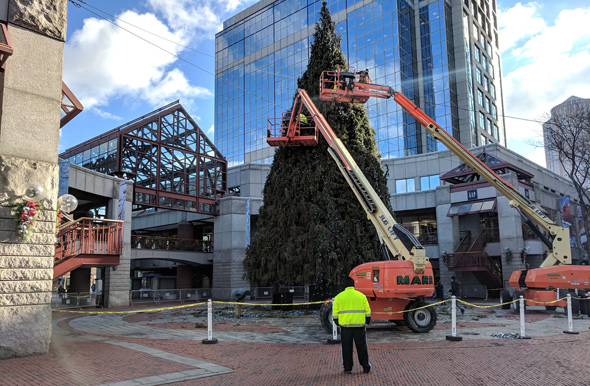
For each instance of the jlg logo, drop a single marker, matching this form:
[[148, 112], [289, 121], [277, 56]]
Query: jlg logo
[[389, 228]]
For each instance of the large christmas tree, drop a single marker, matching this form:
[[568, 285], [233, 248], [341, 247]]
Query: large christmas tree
[[311, 228]]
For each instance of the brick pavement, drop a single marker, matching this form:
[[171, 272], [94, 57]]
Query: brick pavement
[[126, 352]]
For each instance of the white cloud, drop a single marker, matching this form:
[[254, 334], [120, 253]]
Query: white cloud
[[211, 132], [537, 156], [103, 62], [105, 114], [174, 86], [519, 22], [553, 64], [204, 17]]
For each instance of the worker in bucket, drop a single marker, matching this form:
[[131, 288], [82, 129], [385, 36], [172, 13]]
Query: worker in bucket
[[352, 313]]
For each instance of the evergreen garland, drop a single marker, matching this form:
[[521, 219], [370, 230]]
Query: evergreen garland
[[311, 228]]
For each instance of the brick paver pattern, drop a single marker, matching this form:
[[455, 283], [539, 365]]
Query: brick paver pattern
[[83, 355]]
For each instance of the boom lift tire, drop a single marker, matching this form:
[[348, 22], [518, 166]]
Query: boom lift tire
[[583, 302], [326, 316], [550, 308], [575, 306], [504, 298], [422, 320], [516, 304]]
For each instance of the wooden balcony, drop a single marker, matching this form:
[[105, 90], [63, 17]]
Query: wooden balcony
[[88, 242]]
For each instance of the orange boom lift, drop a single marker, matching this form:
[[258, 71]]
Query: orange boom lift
[[391, 285], [536, 285]]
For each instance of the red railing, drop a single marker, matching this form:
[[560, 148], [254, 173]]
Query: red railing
[[479, 243], [475, 261], [464, 243], [89, 236], [468, 259]]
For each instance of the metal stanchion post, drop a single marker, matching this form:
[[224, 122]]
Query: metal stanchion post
[[453, 336], [210, 339], [334, 339], [522, 334], [570, 323]]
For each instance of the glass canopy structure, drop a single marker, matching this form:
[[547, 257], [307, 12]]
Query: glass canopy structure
[[171, 162]]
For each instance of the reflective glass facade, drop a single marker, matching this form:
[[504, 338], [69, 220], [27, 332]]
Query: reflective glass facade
[[406, 44]]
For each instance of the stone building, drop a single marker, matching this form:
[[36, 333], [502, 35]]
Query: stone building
[[440, 211], [566, 110], [31, 54]]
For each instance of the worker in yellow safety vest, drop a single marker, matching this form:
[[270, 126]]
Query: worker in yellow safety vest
[[352, 313]]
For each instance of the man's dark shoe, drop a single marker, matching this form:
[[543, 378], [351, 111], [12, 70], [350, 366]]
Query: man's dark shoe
[[462, 311], [347, 371], [367, 369]]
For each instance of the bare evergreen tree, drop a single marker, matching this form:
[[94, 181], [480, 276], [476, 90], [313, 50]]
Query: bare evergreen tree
[[567, 136], [311, 228]]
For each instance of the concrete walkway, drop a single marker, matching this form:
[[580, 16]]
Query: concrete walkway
[[164, 347]]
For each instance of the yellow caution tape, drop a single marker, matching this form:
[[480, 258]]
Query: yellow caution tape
[[132, 311], [273, 304], [309, 303], [187, 306]]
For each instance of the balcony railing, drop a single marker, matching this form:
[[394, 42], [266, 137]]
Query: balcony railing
[[468, 259], [171, 244], [89, 236], [474, 260]]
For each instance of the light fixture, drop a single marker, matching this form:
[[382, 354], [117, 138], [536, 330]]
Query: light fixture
[[67, 203], [34, 192]]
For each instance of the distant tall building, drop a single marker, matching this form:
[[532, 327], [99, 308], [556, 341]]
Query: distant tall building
[[572, 104], [443, 54]]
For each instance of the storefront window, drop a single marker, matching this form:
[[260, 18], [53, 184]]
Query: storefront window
[[423, 227]]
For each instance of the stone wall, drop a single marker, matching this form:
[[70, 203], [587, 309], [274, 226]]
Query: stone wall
[[48, 17], [26, 268], [29, 142]]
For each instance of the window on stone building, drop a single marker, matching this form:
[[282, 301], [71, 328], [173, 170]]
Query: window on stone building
[[489, 224], [423, 227]]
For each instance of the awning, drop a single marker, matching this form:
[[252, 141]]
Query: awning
[[472, 207]]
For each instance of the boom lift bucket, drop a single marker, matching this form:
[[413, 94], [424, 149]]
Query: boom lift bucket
[[350, 86], [294, 129]]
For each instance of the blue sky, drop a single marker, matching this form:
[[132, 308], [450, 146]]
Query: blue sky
[[118, 76]]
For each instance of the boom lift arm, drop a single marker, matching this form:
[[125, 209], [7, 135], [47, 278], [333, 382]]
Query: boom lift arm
[[558, 242], [400, 242]]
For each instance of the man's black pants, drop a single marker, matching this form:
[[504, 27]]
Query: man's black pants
[[358, 336]]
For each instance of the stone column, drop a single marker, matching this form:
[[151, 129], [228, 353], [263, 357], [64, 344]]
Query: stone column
[[510, 228], [448, 230], [117, 281], [230, 247], [30, 89]]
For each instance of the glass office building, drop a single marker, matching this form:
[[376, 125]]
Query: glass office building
[[442, 54]]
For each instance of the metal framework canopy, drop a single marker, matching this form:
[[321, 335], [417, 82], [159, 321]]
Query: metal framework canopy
[[171, 162]]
